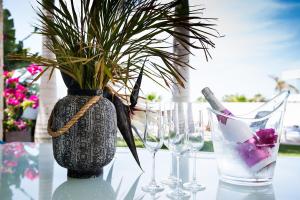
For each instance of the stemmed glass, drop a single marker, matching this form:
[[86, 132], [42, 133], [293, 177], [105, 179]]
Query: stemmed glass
[[168, 125], [152, 137], [178, 143], [196, 129]]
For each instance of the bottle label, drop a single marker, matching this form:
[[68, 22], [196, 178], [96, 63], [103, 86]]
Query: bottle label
[[236, 131], [222, 118]]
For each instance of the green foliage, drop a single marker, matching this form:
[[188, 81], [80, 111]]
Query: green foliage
[[258, 98], [235, 98], [153, 97], [289, 150], [10, 45], [243, 98], [110, 41], [201, 99]]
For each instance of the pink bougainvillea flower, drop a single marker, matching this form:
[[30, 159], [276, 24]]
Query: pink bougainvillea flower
[[20, 124], [31, 174], [34, 69], [19, 95], [12, 80], [18, 149], [15, 149], [7, 74], [20, 92], [10, 163], [12, 102], [8, 92], [35, 100], [21, 88]]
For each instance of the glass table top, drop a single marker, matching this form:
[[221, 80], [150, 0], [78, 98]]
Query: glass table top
[[29, 171]]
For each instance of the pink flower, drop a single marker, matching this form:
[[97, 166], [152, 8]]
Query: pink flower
[[20, 95], [21, 88], [21, 124], [31, 174], [18, 146], [12, 80], [35, 100], [20, 92], [18, 149], [34, 69], [8, 92], [9, 163], [12, 102], [7, 74]]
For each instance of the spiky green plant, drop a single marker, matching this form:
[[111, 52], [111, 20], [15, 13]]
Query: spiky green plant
[[109, 41], [101, 43]]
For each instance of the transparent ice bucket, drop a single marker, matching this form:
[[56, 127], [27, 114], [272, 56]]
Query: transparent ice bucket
[[246, 146]]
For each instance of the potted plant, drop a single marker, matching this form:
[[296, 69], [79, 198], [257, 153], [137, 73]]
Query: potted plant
[[20, 97], [102, 49]]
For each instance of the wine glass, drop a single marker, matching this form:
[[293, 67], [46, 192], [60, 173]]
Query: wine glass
[[195, 130], [178, 143], [168, 125], [152, 137]]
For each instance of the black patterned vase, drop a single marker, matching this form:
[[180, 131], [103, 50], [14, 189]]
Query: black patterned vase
[[90, 143]]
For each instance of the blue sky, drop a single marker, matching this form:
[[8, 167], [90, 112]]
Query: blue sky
[[261, 39]]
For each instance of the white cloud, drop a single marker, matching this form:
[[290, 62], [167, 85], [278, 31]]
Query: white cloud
[[255, 45]]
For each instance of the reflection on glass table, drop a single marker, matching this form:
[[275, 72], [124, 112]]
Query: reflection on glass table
[[123, 180], [19, 162], [94, 188], [229, 191]]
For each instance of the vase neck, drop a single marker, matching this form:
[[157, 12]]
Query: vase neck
[[80, 92]]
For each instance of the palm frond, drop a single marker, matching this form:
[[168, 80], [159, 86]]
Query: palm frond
[[107, 41]]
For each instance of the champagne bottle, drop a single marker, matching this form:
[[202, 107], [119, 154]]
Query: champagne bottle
[[238, 132], [233, 130]]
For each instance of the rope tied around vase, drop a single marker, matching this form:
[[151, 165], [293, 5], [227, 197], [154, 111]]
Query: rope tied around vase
[[74, 119]]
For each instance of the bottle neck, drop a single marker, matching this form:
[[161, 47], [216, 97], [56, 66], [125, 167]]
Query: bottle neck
[[212, 100], [216, 104]]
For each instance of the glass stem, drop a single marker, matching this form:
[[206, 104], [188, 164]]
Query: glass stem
[[153, 181], [194, 196], [195, 166], [171, 166], [178, 175]]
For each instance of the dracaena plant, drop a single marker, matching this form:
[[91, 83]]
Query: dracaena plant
[[100, 44]]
